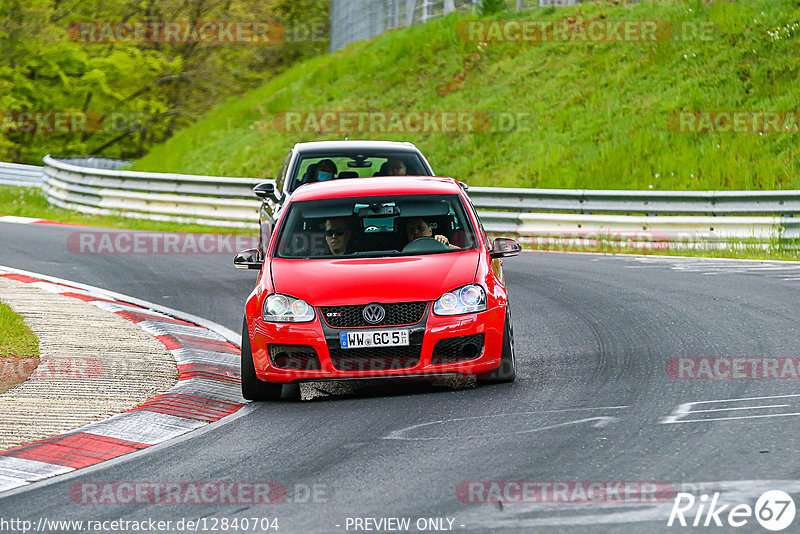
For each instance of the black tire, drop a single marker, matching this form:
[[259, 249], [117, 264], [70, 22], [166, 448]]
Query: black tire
[[252, 388], [507, 370]]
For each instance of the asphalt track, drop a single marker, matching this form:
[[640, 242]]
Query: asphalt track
[[591, 403]]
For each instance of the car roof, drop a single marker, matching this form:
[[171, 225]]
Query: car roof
[[377, 186], [315, 146]]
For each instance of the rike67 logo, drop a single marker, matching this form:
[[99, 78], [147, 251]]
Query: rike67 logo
[[774, 510]]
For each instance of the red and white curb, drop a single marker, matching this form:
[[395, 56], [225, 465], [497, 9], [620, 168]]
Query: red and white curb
[[208, 389], [31, 220]]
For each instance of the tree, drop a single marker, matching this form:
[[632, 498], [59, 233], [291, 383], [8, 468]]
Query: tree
[[133, 93]]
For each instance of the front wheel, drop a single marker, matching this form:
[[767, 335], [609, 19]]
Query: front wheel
[[253, 388], [507, 370]]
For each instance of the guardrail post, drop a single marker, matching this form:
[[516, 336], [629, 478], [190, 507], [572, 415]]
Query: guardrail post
[[394, 15], [791, 227], [411, 5]]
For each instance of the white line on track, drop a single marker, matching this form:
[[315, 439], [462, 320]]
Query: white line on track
[[684, 410], [742, 408], [600, 422]]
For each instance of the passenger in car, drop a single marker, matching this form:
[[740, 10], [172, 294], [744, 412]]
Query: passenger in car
[[326, 170], [417, 227], [395, 167], [323, 171], [337, 236]]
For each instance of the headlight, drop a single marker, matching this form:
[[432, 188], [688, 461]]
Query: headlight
[[467, 299], [284, 309]]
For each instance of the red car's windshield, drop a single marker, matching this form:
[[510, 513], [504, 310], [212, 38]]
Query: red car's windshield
[[321, 167], [372, 226]]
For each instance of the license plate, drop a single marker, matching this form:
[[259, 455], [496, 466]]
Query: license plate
[[373, 338]]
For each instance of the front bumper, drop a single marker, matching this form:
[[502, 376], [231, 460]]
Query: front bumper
[[334, 363]]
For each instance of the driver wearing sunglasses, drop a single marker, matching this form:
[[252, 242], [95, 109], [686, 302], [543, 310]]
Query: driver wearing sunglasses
[[337, 236]]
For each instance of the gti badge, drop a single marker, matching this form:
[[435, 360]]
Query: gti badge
[[374, 313]]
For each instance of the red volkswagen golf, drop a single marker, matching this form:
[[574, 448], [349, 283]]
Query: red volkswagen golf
[[382, 277]]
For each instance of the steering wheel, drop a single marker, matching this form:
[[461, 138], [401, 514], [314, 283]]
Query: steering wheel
[[425, 244]]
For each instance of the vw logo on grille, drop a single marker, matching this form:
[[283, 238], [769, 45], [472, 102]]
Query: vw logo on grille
[[374, 313]]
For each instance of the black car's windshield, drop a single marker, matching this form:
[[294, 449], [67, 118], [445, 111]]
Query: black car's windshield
[[319, 167], [375, 226]]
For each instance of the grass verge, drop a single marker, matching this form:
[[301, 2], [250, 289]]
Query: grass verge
[[31, 202], [19, 349]]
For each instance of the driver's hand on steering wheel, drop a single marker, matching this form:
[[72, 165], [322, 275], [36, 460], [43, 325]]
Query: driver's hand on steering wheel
[[443, 240]]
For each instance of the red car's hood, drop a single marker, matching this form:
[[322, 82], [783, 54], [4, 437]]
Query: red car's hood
[[362, 280]]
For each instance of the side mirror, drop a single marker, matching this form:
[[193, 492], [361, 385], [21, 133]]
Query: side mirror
[[505, 246], [266, 190], [248, 259]]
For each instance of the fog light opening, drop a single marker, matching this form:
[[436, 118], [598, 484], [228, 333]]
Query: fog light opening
[[470, 351]]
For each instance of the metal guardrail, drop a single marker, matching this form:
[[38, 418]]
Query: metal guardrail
[[531, 214], [588, 201], [18, 174], [214, 200], [640, 216], [33, 175], [553, 227], [96, 162]]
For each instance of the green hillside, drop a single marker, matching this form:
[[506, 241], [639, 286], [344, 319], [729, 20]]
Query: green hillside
[[598, 115]]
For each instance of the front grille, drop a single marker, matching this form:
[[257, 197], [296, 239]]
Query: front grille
[[296, 357], [402, 313], [375, 358], [457, 349]]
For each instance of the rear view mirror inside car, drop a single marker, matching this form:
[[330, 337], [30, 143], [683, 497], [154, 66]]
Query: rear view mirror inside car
[[359, 163], [375, 209]]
